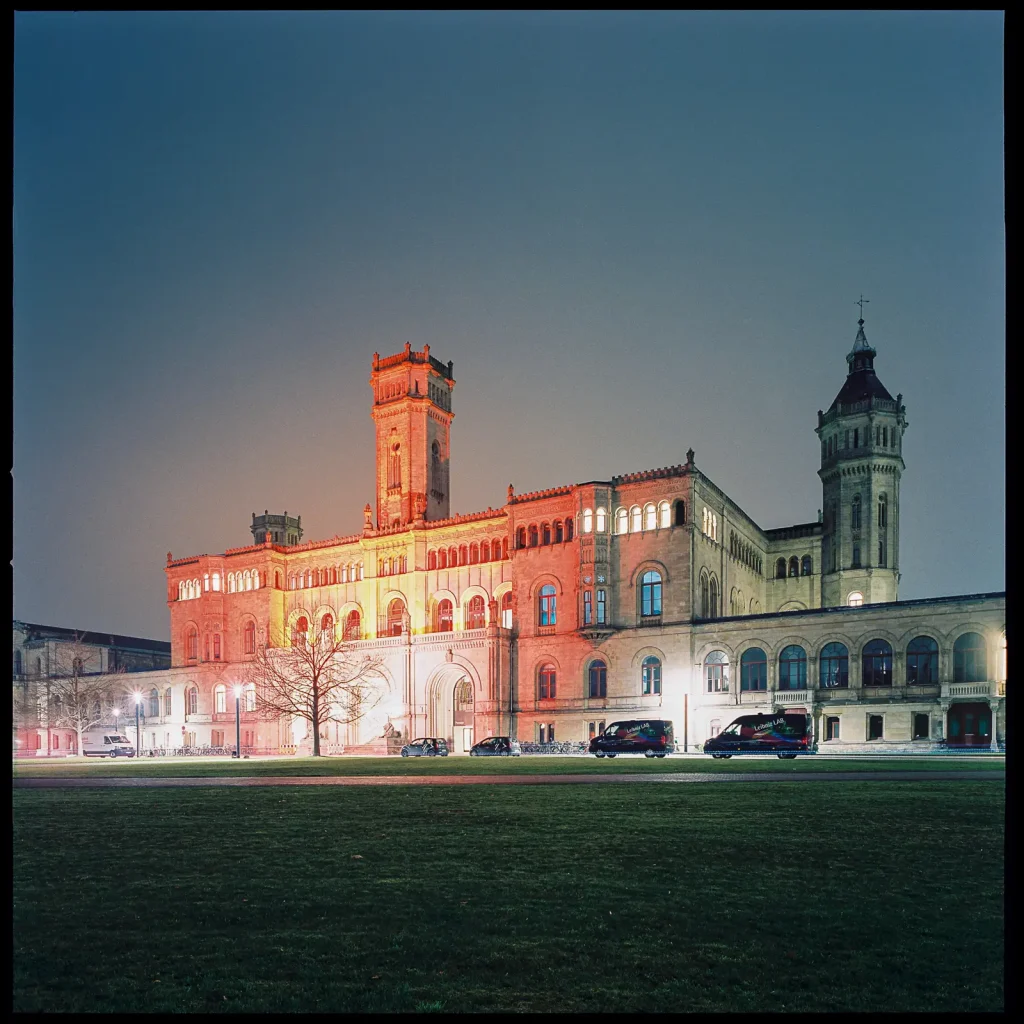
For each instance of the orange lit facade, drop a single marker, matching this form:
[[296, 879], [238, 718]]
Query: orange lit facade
[[650, 594]]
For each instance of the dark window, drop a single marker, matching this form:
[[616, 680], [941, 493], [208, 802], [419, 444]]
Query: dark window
[[216, 646], [793, 668], [396, 612], [521, 537], [856, 437], [650, 593], [476, 613], [970, 664], [805, 566], [568, 529], [855, 514], [754, 669], [921, 727], [547, 605], [191, 646], [856, 556], [651, 675], [876, 667], [598, 679], [680, 514], [558, 533], [712, 598], [875, 727], [546, 681], [545, 535], [533, 536], [832, 728], [780, 569], [794, 566], [154, 703], [834, 667], [922, 661], [444, 617]]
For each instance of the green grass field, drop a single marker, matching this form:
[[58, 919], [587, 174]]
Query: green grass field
[[866, 896], [533, 764]]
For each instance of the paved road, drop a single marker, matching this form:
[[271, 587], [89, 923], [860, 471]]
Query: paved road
[[509, 780]]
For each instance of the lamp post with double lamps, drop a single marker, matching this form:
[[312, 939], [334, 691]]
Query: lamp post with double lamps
[[238, 721], [138, 729]]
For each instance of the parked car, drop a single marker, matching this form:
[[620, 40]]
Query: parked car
[[651, 737], [496, 746], [427, 746], [783, 735]]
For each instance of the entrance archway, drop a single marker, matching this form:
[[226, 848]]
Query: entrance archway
[[969, 725], [450, 708], [462, 716]]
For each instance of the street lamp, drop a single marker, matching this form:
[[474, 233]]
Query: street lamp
[[238, 721], [117, 711], [138, 731]]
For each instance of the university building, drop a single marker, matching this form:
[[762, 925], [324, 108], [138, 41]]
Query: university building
[[651, 594]]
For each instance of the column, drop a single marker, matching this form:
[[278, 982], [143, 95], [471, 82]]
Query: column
[[994, 711]]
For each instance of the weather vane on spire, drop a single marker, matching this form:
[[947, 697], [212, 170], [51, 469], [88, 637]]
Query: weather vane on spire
[[860, 302]]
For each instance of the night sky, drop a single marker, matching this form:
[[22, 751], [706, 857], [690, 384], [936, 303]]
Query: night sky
[[632, 234]]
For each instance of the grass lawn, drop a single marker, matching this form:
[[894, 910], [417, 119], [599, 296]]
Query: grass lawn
[[532, 764], [857, 896]]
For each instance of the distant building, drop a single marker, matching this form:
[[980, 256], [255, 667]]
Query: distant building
[[43, 653]]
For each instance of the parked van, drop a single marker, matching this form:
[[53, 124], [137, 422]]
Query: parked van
[[100, 743], [651, 737], [784, 735]]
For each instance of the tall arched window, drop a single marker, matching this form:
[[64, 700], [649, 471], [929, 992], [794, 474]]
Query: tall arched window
[[327, 628], [192, 645], [154, 703], [231, 582], [650, 593], [220, 699], [876, 664], [970, 664], [794, 566], [716, 672], [559, 531], [855, 513], [249, 637], [463, 554], [521, 537], [664, 515], [396, 613], [601, 518], [793, 668], [922, 661], [568, 528], [705, 597], [249, 694], [713, 597], [168, 704], [395, 467], [353, 626], [435, 469], [547, 608], [805, 566], [474, 553], [506, 610], [680, 513], [431, 559], [834, 667], [444, 620], [650, 516], [476, 613], [533, 535], [753, 670], [780, 569], [635, 519], [300, 631], [588, 520], [442, 559], [621, 520], [192, 700], [546, 682], [597, 679], [650, 675], [545, 533], [453, 557]]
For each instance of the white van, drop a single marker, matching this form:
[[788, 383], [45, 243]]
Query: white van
[[97, 743]]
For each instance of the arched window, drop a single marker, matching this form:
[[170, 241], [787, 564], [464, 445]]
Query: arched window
[[650, 593], [547, 609], [922, 661], [431, 559], [396, 613], [716, 672], [855, 561], [705, 597], [463, 554], [353, 626], [231, 582], [545, 534], [680, 513], [970, 664], [220, 699], [713, 597], [506, 610], [856, 599], [855, 513], [154, 703], [168, 704], [442, 559], [794, 566], [192, 645], [521, 537], [650, 516], [546, 682], [650, 675], [395, 467], [559, 532], [568, 529], [597, 678], [476, 613], [621, 520], [533, 535], [300, 631], [249, 638], [216, 581], [444, 617], [780, 569], [805, 566], [453, 557], [834, 667], [474, 554], [192, 700], [753, 670], [588, 520], [635, 519], [249, 694], [327, 628], [793, 668], [435, 468], [876, 664], [664, 515], [601, 520]]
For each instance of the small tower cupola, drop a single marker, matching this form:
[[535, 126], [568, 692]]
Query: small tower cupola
[[862, 355]]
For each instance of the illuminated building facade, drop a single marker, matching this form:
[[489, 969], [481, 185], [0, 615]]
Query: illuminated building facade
[[651, 594]]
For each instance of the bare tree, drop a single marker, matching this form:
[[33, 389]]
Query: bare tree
[[315, 676], [80, 696]]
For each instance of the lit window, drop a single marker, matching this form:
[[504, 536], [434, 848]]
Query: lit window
[[855, 600], [635, 519], [602, 520], [588, 521], [664, 515], [506, 610], [352, 626], [716, 672], [216, 581], [193, 701], [220, 699], [250, 696], [650, 517], [621, 521]]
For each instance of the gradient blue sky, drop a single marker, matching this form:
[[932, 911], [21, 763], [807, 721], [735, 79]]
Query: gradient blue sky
[[633, 234]]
